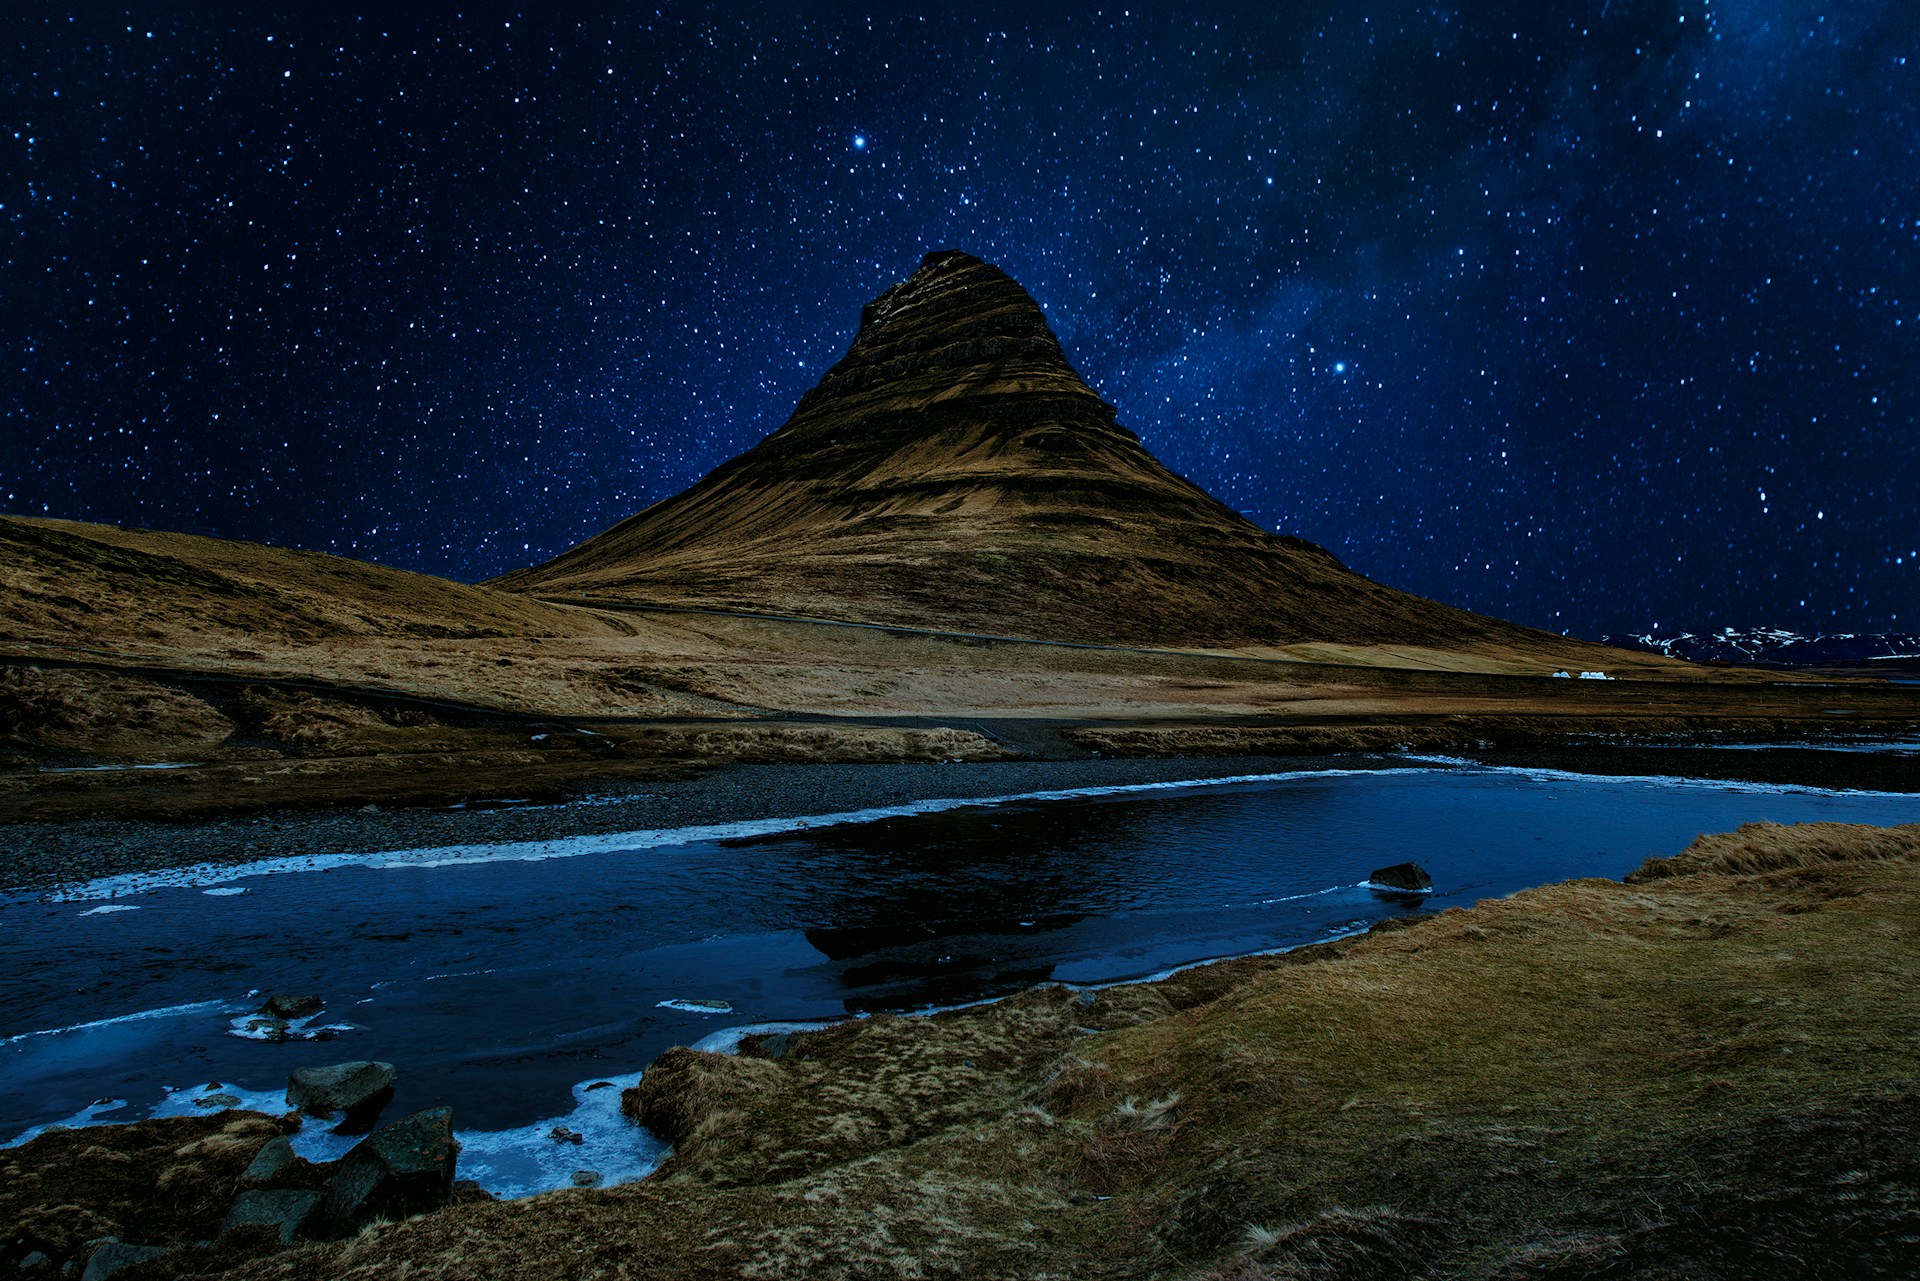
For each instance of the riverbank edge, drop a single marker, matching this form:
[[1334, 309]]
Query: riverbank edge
[[40, 857]]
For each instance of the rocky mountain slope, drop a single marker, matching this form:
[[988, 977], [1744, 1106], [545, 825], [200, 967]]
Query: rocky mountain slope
[[1772, 647], [953, 471]]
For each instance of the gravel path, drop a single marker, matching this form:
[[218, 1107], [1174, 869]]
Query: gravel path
[[35, 857]]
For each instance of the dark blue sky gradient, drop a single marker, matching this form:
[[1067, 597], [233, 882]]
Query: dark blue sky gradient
[[1589, 315]]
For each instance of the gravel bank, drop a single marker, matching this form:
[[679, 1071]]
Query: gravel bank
[[35, 857]]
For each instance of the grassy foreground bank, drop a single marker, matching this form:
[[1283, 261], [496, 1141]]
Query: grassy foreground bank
[[1712, 1070]]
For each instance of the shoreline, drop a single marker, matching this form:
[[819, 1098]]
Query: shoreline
[[36, 857], [40, 857]]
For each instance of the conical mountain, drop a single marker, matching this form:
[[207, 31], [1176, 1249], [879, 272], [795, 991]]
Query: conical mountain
[[954, 472]]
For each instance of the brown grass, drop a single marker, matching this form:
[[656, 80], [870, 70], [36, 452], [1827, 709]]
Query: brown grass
[[158, 1183], [132, 646]]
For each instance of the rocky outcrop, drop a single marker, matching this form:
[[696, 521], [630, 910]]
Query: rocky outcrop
[[282, 1210], [115, 1256], [401, 1169], [339, 1087], [70, 1193], [953, 471], [210, 1193]]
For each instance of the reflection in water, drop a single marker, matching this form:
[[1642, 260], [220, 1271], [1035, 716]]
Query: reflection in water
[[915, 966], [935, 917]]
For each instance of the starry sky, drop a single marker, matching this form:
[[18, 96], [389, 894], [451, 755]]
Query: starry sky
[[1593, 315]]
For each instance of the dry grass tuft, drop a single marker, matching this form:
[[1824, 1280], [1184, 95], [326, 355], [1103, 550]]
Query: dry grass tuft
[[1127, 1144], [1074, 1082], [1337, 1244], [1757, 848]]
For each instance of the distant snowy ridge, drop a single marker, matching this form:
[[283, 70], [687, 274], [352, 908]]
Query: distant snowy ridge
[[1774, 647]]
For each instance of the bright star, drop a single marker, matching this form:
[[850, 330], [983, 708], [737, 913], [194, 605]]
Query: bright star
[[1339, 366], [859, 142]]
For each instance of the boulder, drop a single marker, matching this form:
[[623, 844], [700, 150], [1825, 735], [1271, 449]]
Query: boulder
[[338, 1087], [1406, 878], [467, 1192], [115, 1255], [268, 1162], [283, 1210], [290, 1005], [400, 1169]]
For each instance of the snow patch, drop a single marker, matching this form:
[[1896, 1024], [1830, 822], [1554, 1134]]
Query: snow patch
[[593, 1138]]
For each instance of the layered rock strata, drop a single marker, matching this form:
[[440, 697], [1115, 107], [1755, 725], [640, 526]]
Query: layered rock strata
[[952, 471]]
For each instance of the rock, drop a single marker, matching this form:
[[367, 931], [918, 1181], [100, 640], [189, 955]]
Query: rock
[[217, 1100], [284, 1210], [339, 1087], [115, 1255], [1407, 878], [288, 1005], [268, 1162], [561, 1134], [400, 1169], [769, 1045], [467, 1192], [35, 1261], [586, 1178]]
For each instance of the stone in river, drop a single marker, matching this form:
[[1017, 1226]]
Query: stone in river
[[338, 1087], [1408, 878], [289, 1005], [400, 1169]]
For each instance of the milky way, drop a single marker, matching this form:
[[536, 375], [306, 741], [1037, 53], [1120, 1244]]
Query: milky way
[[1587, 315]]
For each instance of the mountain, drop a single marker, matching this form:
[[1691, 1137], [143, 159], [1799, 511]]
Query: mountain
[[952, 471], [1772, 647], [67, 581]]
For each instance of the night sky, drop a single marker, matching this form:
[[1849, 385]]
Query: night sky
[[1591, 315]]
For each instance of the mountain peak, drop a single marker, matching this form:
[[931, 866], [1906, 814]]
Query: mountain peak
[[957, 288], [952, 471], [958, 330]]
